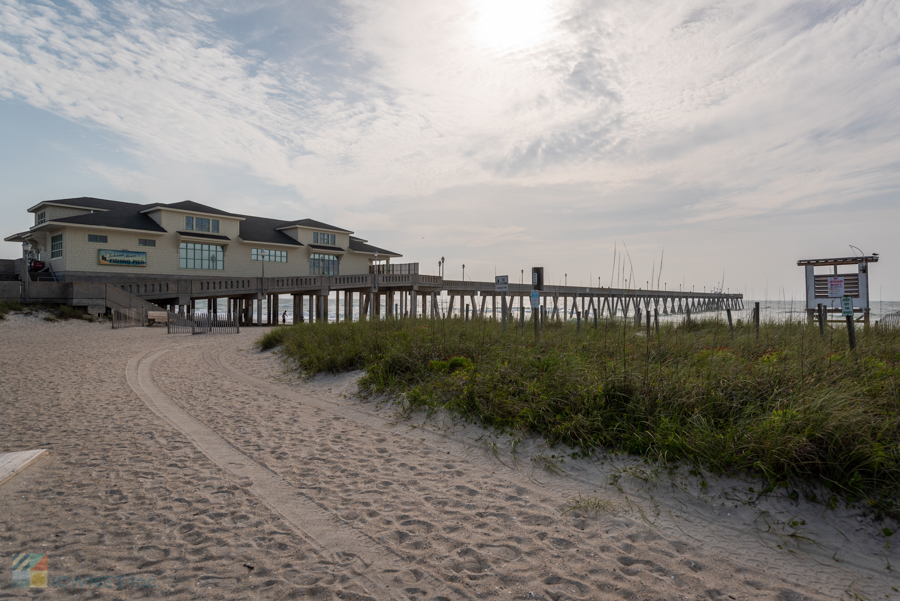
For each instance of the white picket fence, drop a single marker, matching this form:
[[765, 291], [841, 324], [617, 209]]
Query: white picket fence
[[129, 318], [891, 320], [203, 323]]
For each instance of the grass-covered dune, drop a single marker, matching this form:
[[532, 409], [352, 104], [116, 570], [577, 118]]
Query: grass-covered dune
[[52, 312], [787, 406]]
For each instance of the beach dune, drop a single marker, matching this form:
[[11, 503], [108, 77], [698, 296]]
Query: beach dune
[[194, 467]]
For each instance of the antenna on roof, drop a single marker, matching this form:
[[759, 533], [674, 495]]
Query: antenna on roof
[[854, 248]]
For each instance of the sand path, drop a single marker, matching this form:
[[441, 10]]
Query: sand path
[[194, 463]]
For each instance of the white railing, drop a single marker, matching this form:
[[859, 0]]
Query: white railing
[[203, 323], [128, 318]]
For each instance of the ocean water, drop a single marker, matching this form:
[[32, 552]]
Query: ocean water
[[770, 310]]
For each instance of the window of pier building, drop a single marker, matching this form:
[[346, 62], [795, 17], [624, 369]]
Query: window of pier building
[[323, 238], [323, 265], [56, 246], [201, 256], [201, 224], [41, 217], [146, 242], [272, 256], [97, 238]]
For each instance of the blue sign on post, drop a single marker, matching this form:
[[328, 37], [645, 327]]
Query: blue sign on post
[[847, 306], [535, 299]]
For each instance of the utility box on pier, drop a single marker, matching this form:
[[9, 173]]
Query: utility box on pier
[[829, 280]]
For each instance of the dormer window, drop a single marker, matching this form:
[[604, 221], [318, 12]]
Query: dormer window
[[323, 238], [201, 224], [41, 217]]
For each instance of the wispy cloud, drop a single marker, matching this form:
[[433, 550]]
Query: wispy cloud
[[650, 115]]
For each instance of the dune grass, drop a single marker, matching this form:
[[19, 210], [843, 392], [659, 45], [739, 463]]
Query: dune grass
[[53, 312], [789, 407], [7, 307]]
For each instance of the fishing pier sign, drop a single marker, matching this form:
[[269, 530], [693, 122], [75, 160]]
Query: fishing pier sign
[[126, 258]]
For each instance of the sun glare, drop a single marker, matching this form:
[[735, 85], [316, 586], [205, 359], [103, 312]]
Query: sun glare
[[512, 24]]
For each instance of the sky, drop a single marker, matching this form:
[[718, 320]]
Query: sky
[[598, 139]]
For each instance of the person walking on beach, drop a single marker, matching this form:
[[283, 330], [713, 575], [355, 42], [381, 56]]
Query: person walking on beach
[[284, 318]]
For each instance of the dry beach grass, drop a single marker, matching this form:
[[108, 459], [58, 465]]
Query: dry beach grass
[[198, 463]]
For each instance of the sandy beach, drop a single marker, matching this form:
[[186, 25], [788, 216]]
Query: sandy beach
[[195, 467]]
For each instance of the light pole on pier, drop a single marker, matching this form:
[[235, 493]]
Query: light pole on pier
[[464, 272], [26, 275]]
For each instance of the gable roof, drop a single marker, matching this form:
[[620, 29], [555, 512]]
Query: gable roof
[[87, 202], [312, 223], [262, 229], [191, 207], [192, 234], [129, 217], [358, 245], [326, 247]]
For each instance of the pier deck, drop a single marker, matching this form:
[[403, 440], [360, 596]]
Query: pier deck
[[416, 295]]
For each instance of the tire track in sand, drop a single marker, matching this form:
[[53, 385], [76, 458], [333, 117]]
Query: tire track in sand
[[321, 527]]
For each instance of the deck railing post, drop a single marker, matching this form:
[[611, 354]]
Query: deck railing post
[[756, 318], [820, 309]]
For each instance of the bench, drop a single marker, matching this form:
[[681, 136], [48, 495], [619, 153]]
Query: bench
[[154, 316]]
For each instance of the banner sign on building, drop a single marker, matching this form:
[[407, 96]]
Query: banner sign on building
[[835, 287], [127, 258]]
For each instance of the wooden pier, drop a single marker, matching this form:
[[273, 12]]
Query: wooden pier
[[412, 295]]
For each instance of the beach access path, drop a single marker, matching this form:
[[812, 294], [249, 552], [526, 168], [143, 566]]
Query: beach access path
[[194, 467]]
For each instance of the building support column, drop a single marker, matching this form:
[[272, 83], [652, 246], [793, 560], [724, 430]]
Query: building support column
[[337, 306], [348, 308]]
